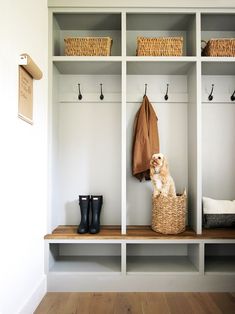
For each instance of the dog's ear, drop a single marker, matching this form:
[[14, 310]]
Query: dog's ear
[[164, 169], [151, 168]]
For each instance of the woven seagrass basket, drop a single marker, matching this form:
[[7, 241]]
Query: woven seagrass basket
[[169, 214], [162, 46], [219, 47], [88, 46]]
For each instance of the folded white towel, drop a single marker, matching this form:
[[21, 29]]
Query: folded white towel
[[212, 206]]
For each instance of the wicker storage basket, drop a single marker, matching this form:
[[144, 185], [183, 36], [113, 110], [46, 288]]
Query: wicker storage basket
[[88, 46], [169, 214], [219, 47], [162, 46]]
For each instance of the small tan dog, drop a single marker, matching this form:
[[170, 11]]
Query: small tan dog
[[160, 176]]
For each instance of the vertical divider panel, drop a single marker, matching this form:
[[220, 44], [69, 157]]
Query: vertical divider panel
[[199, 151], [199, 128], [123, 258], [198, 34], [123, 124], [192, 148], [202, 257], [49, 120], [194, 255]]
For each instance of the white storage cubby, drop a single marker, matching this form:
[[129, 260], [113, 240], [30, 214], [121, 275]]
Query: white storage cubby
[[161, 25], [86, 25], [218, 123], [220, 258], [177, 131], [90, 144], [162, 258], [217, 25], [84, 258], [86, 140]]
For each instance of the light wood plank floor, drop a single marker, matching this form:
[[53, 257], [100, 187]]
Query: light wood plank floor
[[137, 303]]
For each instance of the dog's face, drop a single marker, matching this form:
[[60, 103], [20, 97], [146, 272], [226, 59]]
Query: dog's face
[[157, 160], [159, 163]]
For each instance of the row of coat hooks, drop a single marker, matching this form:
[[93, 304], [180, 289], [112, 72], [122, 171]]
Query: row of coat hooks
[[102, 95], [80, 94], [210, 97], [166, 94]]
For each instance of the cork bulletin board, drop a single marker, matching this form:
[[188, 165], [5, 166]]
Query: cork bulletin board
[[25, 109]]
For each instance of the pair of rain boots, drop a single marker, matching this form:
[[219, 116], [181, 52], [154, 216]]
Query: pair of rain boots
[[86, 203]]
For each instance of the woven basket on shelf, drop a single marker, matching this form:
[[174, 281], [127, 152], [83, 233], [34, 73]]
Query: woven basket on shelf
[[169, 214], [88, 46], [162, 46], [219, 47]]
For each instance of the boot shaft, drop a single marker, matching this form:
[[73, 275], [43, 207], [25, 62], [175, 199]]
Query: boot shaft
[[84, 203], [96, 202], [96, 205]]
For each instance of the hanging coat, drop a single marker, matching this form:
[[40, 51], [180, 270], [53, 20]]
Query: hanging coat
[[145, 140]]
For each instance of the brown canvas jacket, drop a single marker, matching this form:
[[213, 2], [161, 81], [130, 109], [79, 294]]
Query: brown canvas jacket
[[145, 140]]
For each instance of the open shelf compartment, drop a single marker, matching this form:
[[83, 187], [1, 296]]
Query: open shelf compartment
[[218, 123], [162, 25], [85, 150], [220, 258], [85, 258], [177, 126], [86, 25], [217, 25], [162, 258]]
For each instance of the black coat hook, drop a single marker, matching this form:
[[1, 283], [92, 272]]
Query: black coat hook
[[145, 90], [166, 95], [79, 91], [210, 97], [233, 96], [101, 92]]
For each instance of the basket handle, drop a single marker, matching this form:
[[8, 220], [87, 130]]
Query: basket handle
[[203, 42]]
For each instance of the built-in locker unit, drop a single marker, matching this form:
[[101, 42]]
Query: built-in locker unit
[[90, 149]]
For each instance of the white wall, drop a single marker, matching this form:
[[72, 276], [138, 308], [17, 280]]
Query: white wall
[[23, 160]]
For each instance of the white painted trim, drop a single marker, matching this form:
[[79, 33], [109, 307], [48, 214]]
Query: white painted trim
[[140, 283], [93, 59], [217, 59], [161, 59], [140, 3], [35, 298], [157, 10]]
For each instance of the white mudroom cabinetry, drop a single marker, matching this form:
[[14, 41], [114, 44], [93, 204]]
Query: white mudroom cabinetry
[[90, 144]]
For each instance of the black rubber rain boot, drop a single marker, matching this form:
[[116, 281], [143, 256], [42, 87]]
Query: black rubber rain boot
[[84, 202], [96, 204]]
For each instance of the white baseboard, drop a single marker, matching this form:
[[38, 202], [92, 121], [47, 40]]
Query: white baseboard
[[35, 298]]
